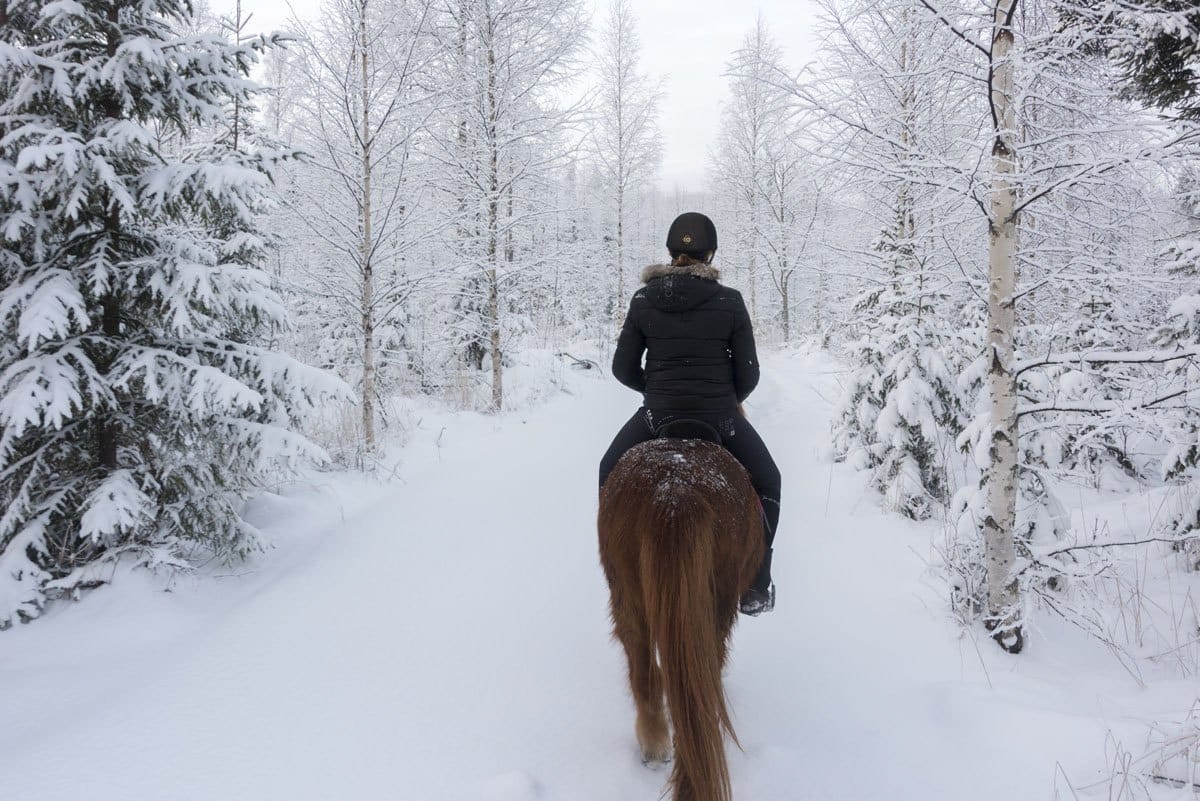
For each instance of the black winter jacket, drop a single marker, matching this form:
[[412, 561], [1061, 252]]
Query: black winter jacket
[[697, 338]]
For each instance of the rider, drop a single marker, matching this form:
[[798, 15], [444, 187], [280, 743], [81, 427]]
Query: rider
[[700, 365]]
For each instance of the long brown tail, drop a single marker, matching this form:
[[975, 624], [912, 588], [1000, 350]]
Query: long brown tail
[[681, 610]]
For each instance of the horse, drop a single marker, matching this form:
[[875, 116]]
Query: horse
[[681, 537]]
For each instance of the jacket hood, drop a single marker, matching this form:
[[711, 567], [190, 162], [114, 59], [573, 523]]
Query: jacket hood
[[706, 271], [672, 288]]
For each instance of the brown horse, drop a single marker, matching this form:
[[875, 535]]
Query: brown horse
[[680, 540]]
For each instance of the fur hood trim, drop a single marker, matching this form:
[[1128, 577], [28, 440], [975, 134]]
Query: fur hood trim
[[698, 270]]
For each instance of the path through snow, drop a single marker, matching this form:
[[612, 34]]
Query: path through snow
[[445, 638]]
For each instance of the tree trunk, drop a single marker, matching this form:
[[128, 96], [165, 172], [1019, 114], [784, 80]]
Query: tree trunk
[[619, 22], [786, 317], [107, 434], [1000, 481], [784, 271], [111, 327], [237, 103], [753, 265], [620, 310], [368, 276], [474, 350], [818, 317], [509, 250], [493, 214]]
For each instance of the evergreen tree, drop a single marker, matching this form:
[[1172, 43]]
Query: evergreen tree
[[902, 410], [135, 411], [1181, 329], [1162, 64], [1157, 42]]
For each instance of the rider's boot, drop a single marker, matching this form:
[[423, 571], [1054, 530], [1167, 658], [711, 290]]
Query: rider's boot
[[761, 595]]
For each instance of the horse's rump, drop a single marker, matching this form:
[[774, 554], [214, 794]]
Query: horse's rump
[[680, 540]]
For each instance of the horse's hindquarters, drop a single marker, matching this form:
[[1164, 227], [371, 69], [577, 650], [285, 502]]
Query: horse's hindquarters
[[680, 539]]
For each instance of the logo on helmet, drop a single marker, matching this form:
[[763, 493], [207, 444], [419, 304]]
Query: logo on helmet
[[687, 239]]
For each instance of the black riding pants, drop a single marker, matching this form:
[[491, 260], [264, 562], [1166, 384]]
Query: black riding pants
[[738, 437]]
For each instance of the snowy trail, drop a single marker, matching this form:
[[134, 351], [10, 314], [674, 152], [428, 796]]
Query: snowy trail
[[446, 638]]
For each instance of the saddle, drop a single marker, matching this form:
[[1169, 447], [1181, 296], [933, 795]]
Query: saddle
[[683, 428]]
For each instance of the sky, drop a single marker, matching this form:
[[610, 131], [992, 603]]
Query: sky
[[687, 42]]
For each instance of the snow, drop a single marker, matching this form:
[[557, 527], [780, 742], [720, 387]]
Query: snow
[[116, 505], [444, 636]]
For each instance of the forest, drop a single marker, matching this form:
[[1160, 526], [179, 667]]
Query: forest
[[238, 266]]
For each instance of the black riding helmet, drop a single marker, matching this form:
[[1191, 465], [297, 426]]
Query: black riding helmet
[[694, 234]]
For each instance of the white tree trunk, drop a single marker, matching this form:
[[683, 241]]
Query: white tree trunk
[[1001, 479], [620, 310], [368, 277], [493, 223], [753, 266]]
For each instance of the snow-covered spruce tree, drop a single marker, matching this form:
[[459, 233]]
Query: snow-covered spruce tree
[[878, 91], [1181, 463], [901, 410], [134, 409], [1157, 42]]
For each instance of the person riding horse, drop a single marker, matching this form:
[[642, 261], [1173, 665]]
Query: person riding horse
[[700, 365]]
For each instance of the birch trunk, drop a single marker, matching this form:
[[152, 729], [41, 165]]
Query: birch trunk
[[620, 310], [493, 221], [622, 166], [787, 317], [368, 272], [818, 306], [753, 266], [466, 230], [784, 272], [1001, 478]]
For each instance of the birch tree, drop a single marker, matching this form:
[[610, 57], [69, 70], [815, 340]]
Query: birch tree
[[364, 98], [627, 141], [755, 114], [1000, 480], [1057, 154], [1042, 163], [505, 131]]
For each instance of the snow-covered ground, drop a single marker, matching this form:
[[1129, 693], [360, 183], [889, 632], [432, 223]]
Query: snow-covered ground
[[444, 635]]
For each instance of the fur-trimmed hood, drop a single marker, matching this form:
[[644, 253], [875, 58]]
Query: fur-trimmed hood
[[675, 289], [705, 271]]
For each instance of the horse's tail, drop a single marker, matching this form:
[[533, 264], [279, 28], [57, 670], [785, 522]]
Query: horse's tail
[[678, 579]]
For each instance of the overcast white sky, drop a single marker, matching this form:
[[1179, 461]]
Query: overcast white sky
[[687, 41]]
